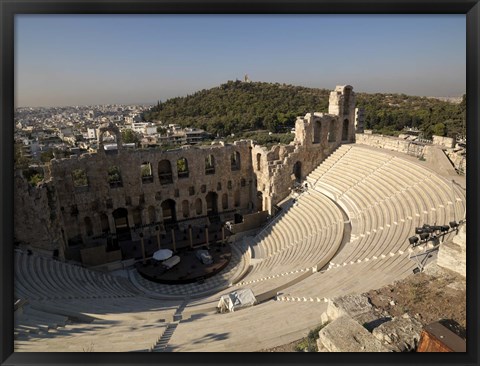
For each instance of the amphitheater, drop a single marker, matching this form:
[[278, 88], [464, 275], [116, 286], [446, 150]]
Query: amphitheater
[[345, 232]]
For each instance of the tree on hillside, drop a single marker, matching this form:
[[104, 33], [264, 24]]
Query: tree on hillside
[[439, 129], [130, 136]]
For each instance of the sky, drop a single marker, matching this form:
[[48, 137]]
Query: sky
[[65, 60]]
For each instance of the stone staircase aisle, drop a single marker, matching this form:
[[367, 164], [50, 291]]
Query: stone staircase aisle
[[162, 343]]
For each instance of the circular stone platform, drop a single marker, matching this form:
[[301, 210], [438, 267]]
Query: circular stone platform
[[190, 269]]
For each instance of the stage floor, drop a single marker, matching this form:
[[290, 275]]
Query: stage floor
[[190, 269]]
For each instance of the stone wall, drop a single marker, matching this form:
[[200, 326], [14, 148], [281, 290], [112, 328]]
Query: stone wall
[[444, 141], [458, 157], [317, 135], [89, 210], [36, 219], [250, 222], [391, 143], [453, 254], [127, 192]]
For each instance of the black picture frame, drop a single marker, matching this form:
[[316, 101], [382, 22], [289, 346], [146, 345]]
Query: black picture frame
[[11, 7]]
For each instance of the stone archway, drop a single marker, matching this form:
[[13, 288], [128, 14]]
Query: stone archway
[[345, 130], [169, 212], [259, 201], [113, 130], [297, 171], [122, 228], [212, 203]]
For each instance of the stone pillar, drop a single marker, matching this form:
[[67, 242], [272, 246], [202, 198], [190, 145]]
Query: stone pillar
[[111, 223], [206, 235], [157, 230], [190, 235], [143, 247], [173, 240]]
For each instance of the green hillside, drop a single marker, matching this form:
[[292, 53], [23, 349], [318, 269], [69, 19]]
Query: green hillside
[[236, 107]]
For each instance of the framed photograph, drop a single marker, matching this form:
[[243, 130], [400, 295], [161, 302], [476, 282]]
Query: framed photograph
[[286, 182]]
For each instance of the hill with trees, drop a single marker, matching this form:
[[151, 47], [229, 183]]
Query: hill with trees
[[236, 107]]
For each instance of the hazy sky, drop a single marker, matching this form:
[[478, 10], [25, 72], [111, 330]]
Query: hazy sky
[[101, 59]]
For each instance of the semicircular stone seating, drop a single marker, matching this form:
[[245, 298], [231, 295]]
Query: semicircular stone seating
[[301, 259], [384, 208]]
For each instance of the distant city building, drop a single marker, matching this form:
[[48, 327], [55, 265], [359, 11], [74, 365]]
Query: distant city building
[[146, 128], [91, 133]]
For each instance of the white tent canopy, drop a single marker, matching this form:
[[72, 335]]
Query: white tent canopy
[[162, 254], [236, 300]]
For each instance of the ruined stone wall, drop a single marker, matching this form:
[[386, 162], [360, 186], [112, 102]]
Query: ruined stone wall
[[459, 159], [243, 178], [391, 143], [36, 219], [444, 141], [317, 135], [87, 211]]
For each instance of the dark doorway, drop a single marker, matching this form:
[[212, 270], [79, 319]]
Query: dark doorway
[[345, 130], [259, 201], [165, 172], [297, 171], [212, 203], [237, 218], [120, 216], [169, 212]]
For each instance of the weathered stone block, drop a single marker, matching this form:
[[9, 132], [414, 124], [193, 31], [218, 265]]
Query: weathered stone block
[[347, 335], [400, 334], [350, 305]]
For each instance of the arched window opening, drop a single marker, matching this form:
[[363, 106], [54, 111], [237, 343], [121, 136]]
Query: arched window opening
[[122, 228], [259, 159], [79, 177], [331, 132], [317, 130], [108, 140], [259, 201], [185, 209], [225, 201], [137, 217], [104, 223], [114, 177], [198, 206], [212, 203], [165, 172], [146, 172], [235, 161], [297, 171], [209, 165], [345, 130], [182, 168], [152, 215], [88, 226], [236, 198], [169, 211]]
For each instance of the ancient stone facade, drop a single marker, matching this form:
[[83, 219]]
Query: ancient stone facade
[[317, 135], [444, 141], [126, 192], [36, 216]]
